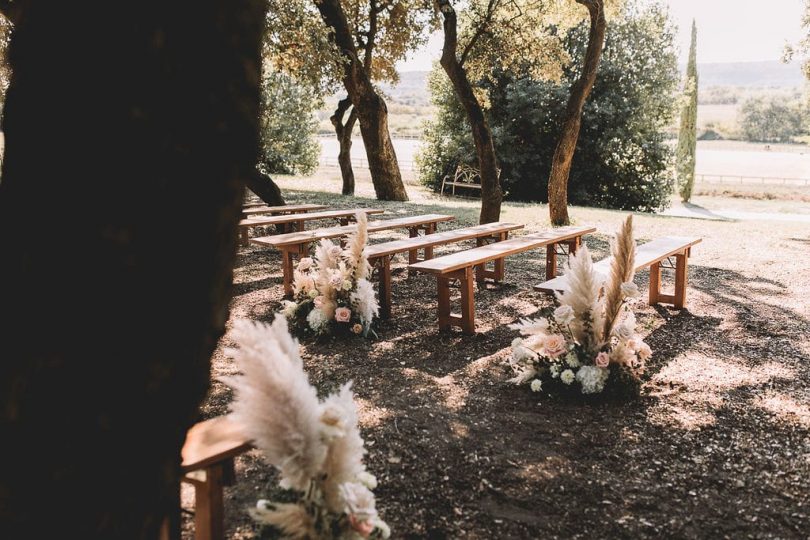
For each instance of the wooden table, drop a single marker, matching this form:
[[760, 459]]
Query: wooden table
[[297, 221]]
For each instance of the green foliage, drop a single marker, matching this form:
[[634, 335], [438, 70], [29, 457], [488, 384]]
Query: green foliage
[[622, 159], [771, 119], [288, 126], [687, 137]]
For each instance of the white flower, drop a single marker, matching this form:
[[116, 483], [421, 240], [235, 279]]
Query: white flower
[[564, 315], [517, 342], [359, 501], [347, 285], [313, 293], [316, 319], [288, 309], [555, 371], [523, 375], [367, 479], [630, 290], [528, 327], [644, 351], [572, 360], [305, 264], [385, 530], [521, 353], [537, 385], [567, 376], [592, 379], [334, 251]]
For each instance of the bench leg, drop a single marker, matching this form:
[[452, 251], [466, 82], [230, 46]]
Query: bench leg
[[209, 512], [500, 266], [287, 269], [430, 228], [243, 236], [655, 283], [467, 302], [444, 302], [385, 288], [551, 261], [681, 261], [413, 255]]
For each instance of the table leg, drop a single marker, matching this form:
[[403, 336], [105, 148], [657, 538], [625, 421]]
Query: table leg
[[551, 261], [444, 302], [413, 255], [468, 302], [209, 512], [681, 261], [655, 282]]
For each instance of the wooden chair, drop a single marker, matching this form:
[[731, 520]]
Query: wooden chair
[[670, 252], [464, 176], [469, 266]]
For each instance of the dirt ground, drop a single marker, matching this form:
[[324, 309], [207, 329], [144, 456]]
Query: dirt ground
[[718, 446]]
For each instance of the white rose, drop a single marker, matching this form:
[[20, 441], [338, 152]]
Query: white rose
[[335, 251], [624, 332], [536, 385], [564, 315], [305, 264], [630, 290], [367, 479], [567, 376]]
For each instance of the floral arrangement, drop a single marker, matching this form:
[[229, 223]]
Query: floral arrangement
[[331, 292], [590, 340], [315, 444]]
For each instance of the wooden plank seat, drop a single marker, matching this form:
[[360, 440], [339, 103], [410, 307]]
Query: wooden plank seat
[[285, 209], [656, 255], [469, 266], [297, 244], [297, 220], [207, 464], [380, 255]]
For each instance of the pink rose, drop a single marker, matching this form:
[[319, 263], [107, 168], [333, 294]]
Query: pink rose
[[602, 360], [362, 527], [343, 314], [554, 345], [318, 301]]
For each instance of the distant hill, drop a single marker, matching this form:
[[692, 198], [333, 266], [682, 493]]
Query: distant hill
[[411, 90], [770, 74]]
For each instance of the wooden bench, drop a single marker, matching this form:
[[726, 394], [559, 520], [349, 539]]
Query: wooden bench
[[208, 455], [297, 220], [465, 176], [470, 266], [292, 245], [380, 255], [286, 209], [656, 255]]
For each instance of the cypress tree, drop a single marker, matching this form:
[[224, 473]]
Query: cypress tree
[[687, 138]]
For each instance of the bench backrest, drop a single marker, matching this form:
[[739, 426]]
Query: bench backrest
[[282, 209], [646, 254], [497, 250], [212, 441], [292, 218], [439, 238], [315, 235]]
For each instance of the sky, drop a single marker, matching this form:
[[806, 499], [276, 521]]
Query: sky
[[728, 31]]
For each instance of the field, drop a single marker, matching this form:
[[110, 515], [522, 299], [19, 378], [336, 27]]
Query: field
[[718, 446]]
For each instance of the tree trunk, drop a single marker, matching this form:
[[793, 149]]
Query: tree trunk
[[344, 136], [370, 107], [581, 89], [491, 195], [260, 183], [109, 309]]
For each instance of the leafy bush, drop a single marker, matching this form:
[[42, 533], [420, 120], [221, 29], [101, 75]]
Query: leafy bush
[[771, 119], [622, 158], [288, 126]]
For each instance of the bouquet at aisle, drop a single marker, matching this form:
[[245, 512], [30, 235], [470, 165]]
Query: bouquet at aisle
[[590, 341], [331, 291], [314, 443]]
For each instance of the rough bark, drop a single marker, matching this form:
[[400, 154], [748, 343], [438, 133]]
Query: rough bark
[[491, 194], [265, 188], [343, 130], [371, 109], [581, 89], [108, 316]]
